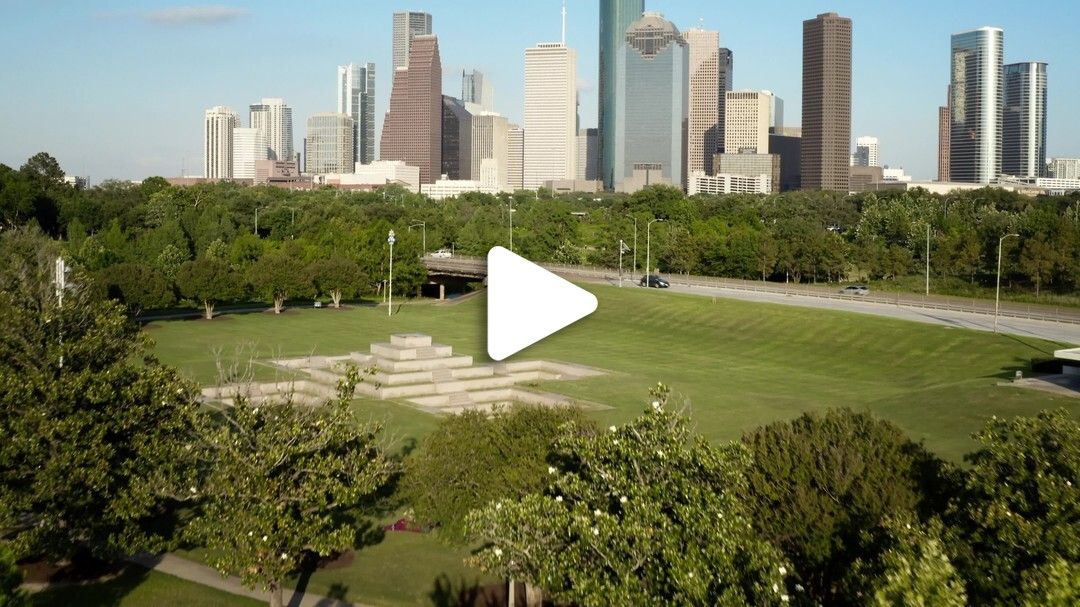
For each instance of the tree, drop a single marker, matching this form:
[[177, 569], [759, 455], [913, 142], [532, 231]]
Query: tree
[[1020, 508], [474, 458], [915, 569], [280, 480], [1054, 584], [137, 286], [10, 580], [1038, 259], [643, 514], [91, 425], [278, 276], [208, 281], [821, 481], [337, 277]]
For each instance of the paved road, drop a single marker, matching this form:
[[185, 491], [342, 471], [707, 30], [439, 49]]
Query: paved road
[[201, 574], [1061, 332]]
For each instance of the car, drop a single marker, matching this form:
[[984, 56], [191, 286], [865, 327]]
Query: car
[[652, 280], [855, 290], [441, 253]]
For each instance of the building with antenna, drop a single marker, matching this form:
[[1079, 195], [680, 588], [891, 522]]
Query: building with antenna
[[550, 145]]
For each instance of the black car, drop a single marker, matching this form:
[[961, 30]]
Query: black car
[[652, 280]]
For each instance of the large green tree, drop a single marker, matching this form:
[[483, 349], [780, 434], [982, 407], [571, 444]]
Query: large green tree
[[280, 480], [92, 426], [642, 514], [278, 276], [208, 281], [337, 277], [10, 580]]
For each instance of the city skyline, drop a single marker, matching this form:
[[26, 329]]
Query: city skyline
[[206, 74]]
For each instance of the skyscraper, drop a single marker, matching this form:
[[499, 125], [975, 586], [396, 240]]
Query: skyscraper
[[615, 17], [588, 155], [976, 76], [356, 97], [412, 130], [218, 126], [944, 128], [329, 145], [477, 89], [1023, 143], [249, 146], [727, 74], [550, 114], [652, 77], [408, 25], [274, 118], [826, 103], [746, 122], [866, 152], [515, 157], [456, 139], [704, 99]]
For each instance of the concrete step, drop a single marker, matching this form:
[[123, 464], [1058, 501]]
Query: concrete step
[[440, 375], [448, 387], [433, 376], [394, 352], [390, 366], [410, 340], [459, 399]]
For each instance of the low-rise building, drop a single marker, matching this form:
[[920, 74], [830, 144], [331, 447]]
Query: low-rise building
[[750, 165], [726, 183]]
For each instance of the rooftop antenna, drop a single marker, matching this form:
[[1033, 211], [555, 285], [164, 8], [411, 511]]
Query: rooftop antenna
[[564, 22]]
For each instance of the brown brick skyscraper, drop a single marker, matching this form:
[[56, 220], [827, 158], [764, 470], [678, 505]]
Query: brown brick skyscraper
[[826, 103], [412, 130]]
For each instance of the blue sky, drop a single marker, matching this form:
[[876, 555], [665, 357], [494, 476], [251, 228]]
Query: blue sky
[[118, 88]]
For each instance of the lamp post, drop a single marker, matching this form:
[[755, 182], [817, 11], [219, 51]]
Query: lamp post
[[928, 258], [422, 224], [997, 295], [510, 202], [256, 221], [390, 282], [648, 249], [622, 249]]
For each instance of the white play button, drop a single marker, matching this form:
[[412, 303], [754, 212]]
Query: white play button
[[526, 303]]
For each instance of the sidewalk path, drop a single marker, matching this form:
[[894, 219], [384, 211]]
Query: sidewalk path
[[201, 574]]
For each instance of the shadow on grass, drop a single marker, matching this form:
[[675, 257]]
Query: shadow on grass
[[100, 594], [463, 593]]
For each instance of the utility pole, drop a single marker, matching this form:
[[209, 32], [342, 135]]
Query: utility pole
[[60, 278], [928, 258], [997, 294]]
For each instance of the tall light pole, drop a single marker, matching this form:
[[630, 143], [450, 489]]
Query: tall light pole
[[60, 276], [997, 295], [928, 258], [510, 202], [422, 224], [390, 282], [622, 249], [256, 221], [648, 249]]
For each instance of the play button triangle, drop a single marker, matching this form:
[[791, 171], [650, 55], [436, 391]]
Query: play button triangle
[[526, 303]]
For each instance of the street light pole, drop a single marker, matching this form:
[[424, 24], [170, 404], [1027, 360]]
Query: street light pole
[[511, 213], [928, 258], [422, 224], [390, 282], [622, 246], [997, 295], [256, 221], [648, 249]]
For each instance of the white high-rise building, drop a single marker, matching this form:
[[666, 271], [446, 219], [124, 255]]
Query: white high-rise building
[[328, 147], [975, 109], [477, 89], [703, 122], [218, 128], [515, 157], [1064, 168], [274, 118], [747, 118], [550, 114], [489, 147], [249, 146], [866, 153], [356, 97], [408, 25]]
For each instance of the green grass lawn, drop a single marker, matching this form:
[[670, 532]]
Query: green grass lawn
[[734, 365], [137, 587]]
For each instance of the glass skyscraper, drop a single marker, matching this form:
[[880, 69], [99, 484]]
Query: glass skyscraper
[[615, 17], [651, 106], [975, 106], [1023, 143], [356, 97]]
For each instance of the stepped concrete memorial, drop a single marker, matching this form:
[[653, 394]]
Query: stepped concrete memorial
[[414, 370]]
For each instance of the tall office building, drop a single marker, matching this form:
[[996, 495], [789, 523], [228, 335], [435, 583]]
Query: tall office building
[[408, 25], [1023, 138], [329, 145], [456, 139], [652, 77], [412, 129], [274, 118], [218, 125], [727, 75], [588, 155], [866, 152], [976, 78], [747, 119], [356, 97], [616, 16], [944, 134], [249, 146], [550, 113], [703, 123], [1064, 168], [489, 148], [826, 103], [515, 157], [477, 89]]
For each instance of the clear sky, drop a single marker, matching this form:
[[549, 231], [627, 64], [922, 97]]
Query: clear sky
[[117, 88]]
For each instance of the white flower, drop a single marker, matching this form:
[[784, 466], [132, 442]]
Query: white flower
[[596, 512], [656, 405], [784, 598], [498, 552], [622, 500], [783, 570], [255, 410], [799, 587], [612, 428], [775, 588], [1068, 483], [251, 533], [660, 453], [691, 574], [265, 538], [595, 531], [616, 441], [284, 556], [558, 498], [551, 469], [191, 489], [498, 505]]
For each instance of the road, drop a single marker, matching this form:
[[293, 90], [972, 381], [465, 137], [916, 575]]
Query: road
[[1053, 331]]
